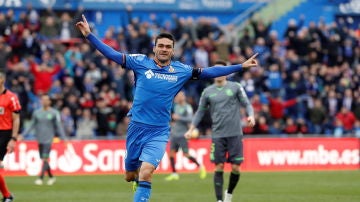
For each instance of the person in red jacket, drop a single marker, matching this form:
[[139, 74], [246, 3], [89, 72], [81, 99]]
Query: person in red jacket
[[278, 105], [347, 118], [43, 73], [9, 129]]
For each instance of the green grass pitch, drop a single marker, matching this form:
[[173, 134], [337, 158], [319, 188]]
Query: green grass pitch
[[325, 186]]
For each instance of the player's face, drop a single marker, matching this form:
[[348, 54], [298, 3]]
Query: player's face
[[220, 79], [45, 101], [180, 97], [164, 50]]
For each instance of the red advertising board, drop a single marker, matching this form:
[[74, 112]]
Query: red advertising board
[[261, 154]]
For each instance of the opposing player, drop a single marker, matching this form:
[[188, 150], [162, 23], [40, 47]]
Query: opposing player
[[157, 82], [46, 122], [182, 117], [223, 100], [9, 129]]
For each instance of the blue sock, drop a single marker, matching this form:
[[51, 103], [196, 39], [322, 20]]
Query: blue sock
[[143, 192]]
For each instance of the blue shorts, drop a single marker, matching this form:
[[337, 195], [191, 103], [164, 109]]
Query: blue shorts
[[145, 143]]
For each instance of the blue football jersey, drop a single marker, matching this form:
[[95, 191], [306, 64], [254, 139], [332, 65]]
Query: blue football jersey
[[155, 88]]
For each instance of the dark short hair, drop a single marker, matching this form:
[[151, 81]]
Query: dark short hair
[[220, 62], [165, 35]]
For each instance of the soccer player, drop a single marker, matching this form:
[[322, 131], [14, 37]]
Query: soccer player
[[9, 129], [157, 82], [223, 100], [182, 117], [46, 122]]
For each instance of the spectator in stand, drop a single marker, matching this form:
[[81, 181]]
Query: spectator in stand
[[261, 127], [68, 122], [276, 128], [347, 119], [348, 99], [261, 29], [332, 103], [357, 129], [302, 127], [294, 88], [356, 109], [102, 112], [30, 44], [72, 56], [278, 106], [316, 116], [274, 80], [86, 126], [110, 40], [43, 72], [87, 101], [49, 27], [338, 128], [290, 127], [248, 83]]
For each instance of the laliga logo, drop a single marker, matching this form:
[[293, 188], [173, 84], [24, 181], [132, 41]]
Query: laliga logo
[[149, 74], [48, 2]]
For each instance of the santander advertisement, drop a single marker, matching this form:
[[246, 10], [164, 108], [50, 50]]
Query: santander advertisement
[[261, 154]]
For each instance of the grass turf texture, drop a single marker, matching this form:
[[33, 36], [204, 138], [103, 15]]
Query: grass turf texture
[[326, 186]]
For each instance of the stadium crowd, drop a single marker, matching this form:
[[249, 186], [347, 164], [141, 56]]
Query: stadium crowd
[[308, 81]]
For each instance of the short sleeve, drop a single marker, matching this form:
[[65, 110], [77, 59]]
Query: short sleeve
[[14, 103]]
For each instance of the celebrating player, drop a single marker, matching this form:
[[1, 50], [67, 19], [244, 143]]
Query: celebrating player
[[157, 82], [223, 99]]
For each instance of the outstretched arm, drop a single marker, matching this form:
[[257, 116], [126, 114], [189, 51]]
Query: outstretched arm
[[106, 50], [217, 71]]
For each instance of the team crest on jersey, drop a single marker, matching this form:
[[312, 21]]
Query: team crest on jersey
[[171, 69], [229, 92], [2, 110]]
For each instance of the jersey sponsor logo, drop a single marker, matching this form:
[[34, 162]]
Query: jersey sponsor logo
[[149, 74], [170, 78], [2, 110]]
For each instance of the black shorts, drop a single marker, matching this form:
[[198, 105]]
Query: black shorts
[[227, 149], [44, 150], [179, 142], [5, 137]]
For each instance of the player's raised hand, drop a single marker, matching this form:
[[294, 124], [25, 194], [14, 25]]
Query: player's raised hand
[[83, 26], [251, 62]]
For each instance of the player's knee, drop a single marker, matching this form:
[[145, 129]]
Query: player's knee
[[219, 167], [146, 172], [235, 168]]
